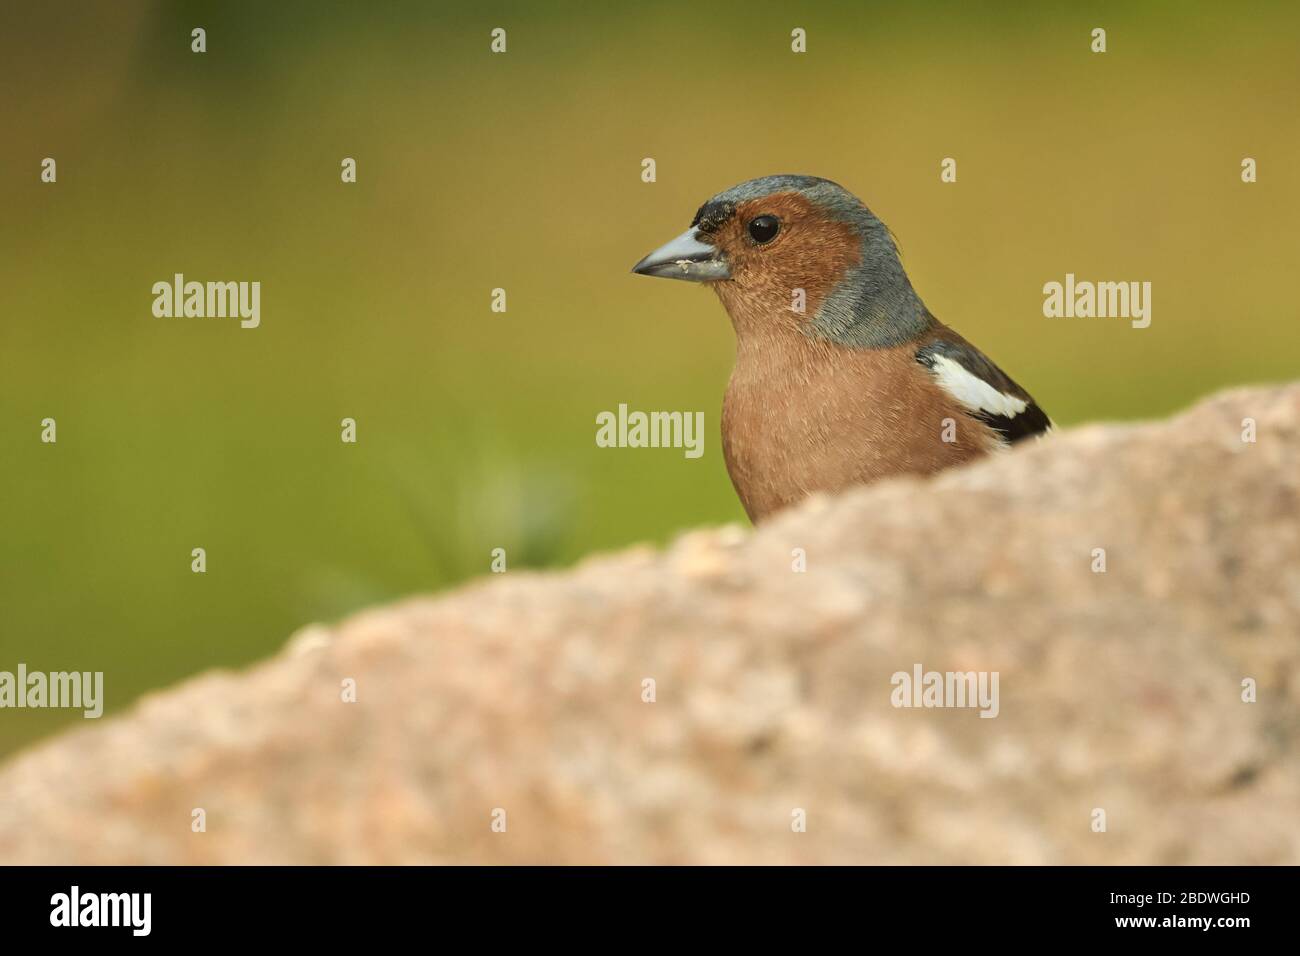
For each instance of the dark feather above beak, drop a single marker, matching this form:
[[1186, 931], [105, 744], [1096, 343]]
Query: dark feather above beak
[[686, 257]]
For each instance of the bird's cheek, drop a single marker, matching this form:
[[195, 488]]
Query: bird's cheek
[[744, 270]]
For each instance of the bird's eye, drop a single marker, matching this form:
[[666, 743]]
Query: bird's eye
[[764, 228]]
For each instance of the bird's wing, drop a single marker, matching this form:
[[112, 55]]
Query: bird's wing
[[984, 390]]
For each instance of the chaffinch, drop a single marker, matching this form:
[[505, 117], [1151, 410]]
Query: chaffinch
[[842, 375]]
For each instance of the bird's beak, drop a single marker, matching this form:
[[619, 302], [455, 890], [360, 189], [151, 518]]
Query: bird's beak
[[685, 258]]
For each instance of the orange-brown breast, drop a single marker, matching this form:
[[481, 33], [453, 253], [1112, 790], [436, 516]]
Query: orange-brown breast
[[806, 416]]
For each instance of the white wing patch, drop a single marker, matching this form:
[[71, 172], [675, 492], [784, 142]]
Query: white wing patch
[[973, 392]]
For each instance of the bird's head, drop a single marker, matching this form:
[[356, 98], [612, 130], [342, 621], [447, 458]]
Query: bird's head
[[796, 253]]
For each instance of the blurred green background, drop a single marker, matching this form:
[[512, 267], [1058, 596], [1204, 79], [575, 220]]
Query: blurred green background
[[476, 429]]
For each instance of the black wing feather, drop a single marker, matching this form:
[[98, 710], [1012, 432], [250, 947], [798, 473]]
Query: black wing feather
[[1013, 428]]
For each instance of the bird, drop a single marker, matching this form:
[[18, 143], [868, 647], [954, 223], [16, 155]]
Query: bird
[[842, 376]]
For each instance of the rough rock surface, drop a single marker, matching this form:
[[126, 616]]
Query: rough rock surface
[[1119, 690]]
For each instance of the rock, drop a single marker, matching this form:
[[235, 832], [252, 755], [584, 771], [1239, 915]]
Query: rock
[[1118, 691]]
